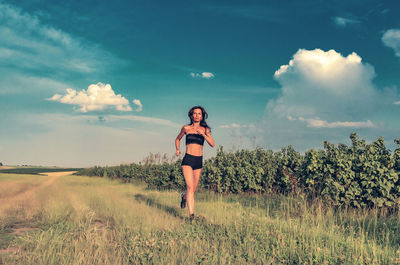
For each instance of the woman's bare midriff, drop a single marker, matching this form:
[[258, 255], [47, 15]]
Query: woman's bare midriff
[[194, 149]]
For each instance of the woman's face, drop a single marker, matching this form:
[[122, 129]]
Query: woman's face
[[197, 115]]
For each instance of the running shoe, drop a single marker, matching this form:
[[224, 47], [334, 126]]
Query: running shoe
[[191, 218], [183, 200]]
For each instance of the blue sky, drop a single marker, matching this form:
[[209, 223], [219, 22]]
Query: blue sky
[[107, 82]]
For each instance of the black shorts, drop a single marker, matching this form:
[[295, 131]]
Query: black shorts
[[196, 162]]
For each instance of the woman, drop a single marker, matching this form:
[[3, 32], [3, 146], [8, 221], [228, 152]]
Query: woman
[[196, 132]]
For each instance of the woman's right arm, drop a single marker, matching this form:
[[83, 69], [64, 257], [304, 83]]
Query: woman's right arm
[[178, 141]]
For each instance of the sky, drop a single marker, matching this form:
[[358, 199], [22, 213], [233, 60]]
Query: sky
[[86, 83]]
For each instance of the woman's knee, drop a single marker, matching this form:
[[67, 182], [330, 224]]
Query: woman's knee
[[194, 188], [190, 188]]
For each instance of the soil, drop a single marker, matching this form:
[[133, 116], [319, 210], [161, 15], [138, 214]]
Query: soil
[[57, 174], [16, 231], [22, 230], [6, 167], [8, 250]]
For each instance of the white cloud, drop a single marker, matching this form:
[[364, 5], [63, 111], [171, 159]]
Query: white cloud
[[205, 75], [235, 125], [343, 22], [97, 97], [138, 104], [324, 96], [396, 102], [325, 74], [391, 38], [320, 67], [317, 123]]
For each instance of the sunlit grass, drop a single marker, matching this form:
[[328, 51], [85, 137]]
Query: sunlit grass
[[81, 220], [11, 186], [6, 176]]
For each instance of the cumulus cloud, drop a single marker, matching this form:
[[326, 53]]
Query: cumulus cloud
[[206, 75], [324, 96], [138, 104], [96, 97], [391, 39], [343, 22], [325, 74]]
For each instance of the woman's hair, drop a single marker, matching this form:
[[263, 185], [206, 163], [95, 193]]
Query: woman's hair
[[204, 116]]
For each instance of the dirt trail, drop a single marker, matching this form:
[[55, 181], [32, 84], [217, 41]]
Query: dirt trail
[[17, 198], [58, 174], [23, 198], [8, 250], [6, 167]]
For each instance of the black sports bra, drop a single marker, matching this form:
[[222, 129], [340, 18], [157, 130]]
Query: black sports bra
[[192, 138]]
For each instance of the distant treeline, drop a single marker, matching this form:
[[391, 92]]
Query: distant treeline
[[35, 170], [360, 175]]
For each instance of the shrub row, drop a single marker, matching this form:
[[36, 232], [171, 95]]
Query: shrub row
[[360, 175]]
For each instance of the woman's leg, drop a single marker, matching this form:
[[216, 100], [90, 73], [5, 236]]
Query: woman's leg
[[189, 179], [196, 178]]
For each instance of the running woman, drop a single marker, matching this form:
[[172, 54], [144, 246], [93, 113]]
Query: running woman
[[196, 132]]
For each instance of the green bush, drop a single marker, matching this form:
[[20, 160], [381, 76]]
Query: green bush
[[361, 175]]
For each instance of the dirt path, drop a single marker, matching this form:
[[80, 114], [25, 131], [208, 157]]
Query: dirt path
[[29, 192], [17, 199], [8, 250], [57, 174], [6, 167], [24, 198]]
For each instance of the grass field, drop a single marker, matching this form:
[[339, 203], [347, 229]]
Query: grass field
[[80, 220]]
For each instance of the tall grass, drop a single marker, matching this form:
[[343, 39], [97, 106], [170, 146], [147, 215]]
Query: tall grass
[[82, 220]]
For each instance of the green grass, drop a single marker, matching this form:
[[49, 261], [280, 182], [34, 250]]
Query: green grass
[[85, 220], [5, 238]]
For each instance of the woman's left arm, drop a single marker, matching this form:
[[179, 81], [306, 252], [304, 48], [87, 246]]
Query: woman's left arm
[[207, 136]]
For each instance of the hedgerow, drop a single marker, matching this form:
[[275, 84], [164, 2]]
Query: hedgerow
[[360, 175]]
